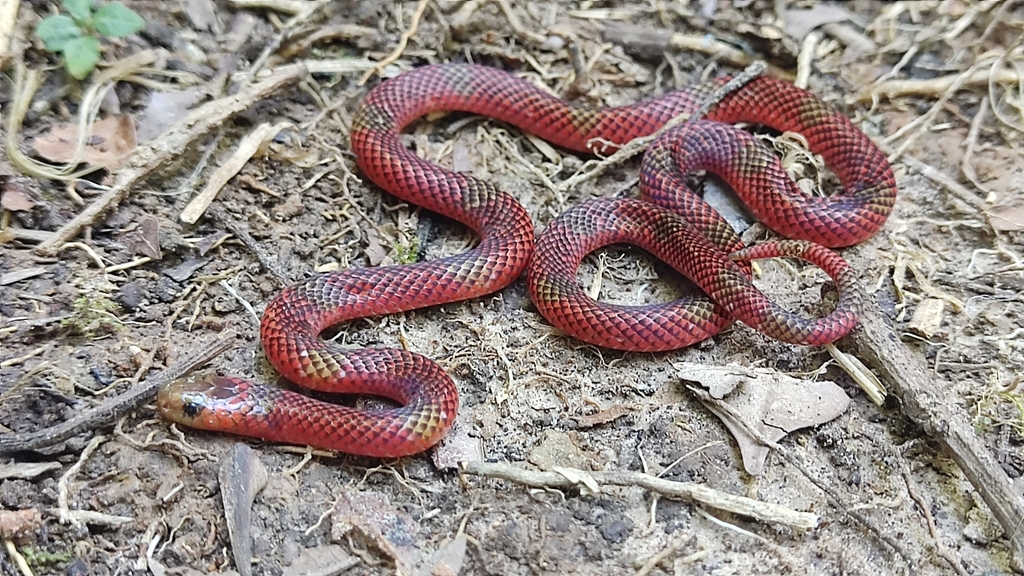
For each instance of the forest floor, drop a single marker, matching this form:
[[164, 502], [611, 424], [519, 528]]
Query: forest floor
[[103, 286]]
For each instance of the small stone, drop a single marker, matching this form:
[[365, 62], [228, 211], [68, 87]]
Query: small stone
[[130, 296], [616, 528]]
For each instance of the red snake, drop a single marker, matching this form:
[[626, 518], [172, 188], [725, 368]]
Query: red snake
[[700, 246]]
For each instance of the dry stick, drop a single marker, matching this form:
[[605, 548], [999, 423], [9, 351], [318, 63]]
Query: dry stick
[[242, 234], [924, 122], [248, 147], [118, 406], [147, 159], [972, 139], [941, 549], [831, 495], [8, 22], [305, 13], [653, 43], [402, 42], [925, 400], [663, 555], [570, 478], [933, 87]]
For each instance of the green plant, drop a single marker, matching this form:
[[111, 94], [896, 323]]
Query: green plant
[[77, 34]]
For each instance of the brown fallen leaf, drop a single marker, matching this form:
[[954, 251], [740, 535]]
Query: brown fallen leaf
[[14, 196], [457, 446], [145, 239], [1007, 218], [603, 417], [111, 142], [800, 22], [329, 559], [19, 523], [373, 518], [375, 250], [241, 478], [164, 110], [770, 402]]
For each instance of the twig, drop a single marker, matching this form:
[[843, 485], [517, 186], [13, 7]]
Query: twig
[[402, 42], [924, 399], [941, 549], [246, 149], [805, 60], [12, 550], [66, 517], [242, 234], [568, 478], [661, 556], [924, 121], [972, 139], [115, 407], [147, 159], [304, 12], [933, 86], [653, 43], [792, 461]]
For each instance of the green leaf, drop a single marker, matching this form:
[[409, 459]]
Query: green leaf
[[80, 10], [81, 56], [56, 31], [116, 20]]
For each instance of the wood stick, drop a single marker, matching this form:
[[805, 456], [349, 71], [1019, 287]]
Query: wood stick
[[117, 406], [925, 400], [149, 158]]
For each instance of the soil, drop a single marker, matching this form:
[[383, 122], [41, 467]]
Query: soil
[[73, 334]]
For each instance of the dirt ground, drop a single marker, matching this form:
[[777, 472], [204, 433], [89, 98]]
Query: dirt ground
[[138, 290]]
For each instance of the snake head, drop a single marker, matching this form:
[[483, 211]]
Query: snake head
[[198, 402]]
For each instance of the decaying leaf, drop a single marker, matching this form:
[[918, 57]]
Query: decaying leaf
[[19, 523], [374, 519], [14, 196], [800, 22], [329, 559], [457, 446], [770, 402], [145, 239], [111, 142], [1007, 219], [164, 110], [241, 478]]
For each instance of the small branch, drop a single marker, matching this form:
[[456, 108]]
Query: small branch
[[924, 397], [569, 478], [652, 44], [115, 407], [248, 147], [402, 43], [148, 159], [934, 86]]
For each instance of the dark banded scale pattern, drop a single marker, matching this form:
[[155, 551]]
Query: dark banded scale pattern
[[293, 321]]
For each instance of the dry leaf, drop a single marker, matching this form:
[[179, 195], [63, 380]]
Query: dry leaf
[[799, 23], [19, 523], [381, 524], [603, 417], [111, 142], [1007, 218], [164, 110], [770, 402], [14, 197], [145, 239]]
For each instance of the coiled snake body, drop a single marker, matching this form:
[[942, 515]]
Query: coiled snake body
[[687, 234]]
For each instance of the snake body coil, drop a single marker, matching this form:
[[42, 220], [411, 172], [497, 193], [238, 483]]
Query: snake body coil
[[670, 222]]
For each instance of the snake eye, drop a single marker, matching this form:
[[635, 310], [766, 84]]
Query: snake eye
[[191, 405]]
